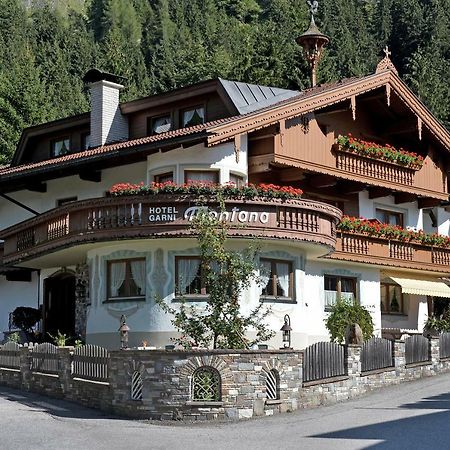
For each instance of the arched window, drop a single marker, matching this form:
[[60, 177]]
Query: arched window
[[136, 386], [273, 385], [206, 385]]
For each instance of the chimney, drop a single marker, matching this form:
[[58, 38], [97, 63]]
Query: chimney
[[107, 122]]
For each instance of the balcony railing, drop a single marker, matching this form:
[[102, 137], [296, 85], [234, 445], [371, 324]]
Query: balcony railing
[[373, 168], [385, 252], [119, 218]]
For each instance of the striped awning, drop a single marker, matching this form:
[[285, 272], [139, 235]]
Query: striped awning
[[418, 286]]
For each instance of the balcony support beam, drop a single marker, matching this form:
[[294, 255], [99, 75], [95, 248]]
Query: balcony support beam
[[378, 192], [322, 181], [426, 202], [404, 197], [350, 187], [95, 176]]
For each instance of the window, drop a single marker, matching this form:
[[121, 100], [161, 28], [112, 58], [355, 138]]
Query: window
[[277, 279], [61, 147], [160, 124], [136, 386], [338, 287], [126, 279], [391, 299], [85, 141], [188, 273], [65, 201], [389, 217], [272, 385], [163, 177], [193, 116], [206, 385], [237, 180], [205, 176]]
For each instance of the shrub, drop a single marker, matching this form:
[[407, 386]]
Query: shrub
[[344, 313], [25, 318]]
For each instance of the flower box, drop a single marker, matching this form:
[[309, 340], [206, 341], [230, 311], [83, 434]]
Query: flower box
[[385, 153]]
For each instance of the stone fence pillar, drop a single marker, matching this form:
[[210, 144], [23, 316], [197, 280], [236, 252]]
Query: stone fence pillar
[[353, 361], [65, 369], [25, 367], [435, 352], [399, 357]]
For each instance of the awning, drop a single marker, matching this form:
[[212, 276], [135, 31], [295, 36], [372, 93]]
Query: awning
[[422, 287]]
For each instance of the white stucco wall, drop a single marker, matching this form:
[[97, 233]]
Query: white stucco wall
[[199, 157], [14, 294]]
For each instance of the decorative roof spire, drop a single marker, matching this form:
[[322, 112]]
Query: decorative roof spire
[[313, 42], [386, 63]]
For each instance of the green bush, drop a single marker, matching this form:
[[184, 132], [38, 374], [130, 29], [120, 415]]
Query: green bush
[[344, 313]]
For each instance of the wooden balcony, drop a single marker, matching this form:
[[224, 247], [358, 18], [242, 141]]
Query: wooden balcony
[[121, 218], [373, 168], [383, 252]]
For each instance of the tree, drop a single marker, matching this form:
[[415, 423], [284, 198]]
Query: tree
[[227, 273]]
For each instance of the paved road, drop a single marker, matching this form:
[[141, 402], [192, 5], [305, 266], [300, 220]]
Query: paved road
[[412, 416]]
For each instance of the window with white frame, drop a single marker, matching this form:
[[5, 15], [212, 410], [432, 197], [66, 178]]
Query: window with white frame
[[237, 180], [277, 279], [126, 279], [338, 287]]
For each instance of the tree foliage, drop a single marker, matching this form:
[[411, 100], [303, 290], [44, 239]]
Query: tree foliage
[[220, 322], [345, 313], [47, 46]]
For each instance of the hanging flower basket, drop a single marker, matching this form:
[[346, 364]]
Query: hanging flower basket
[[385, 153]]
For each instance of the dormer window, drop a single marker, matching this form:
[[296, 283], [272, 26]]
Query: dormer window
[[194, 116], [161, 124], [61, 147], [85, 141]]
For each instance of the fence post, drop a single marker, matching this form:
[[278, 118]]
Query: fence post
[[435, 353], [399, 358], [65, 369], [25, 370], [353, 363]]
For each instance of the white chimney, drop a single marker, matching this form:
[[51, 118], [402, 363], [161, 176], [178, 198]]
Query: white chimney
[[107, 122]]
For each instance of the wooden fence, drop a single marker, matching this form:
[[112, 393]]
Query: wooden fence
[[90, 362], [444, 345], [417, 349], [377, 353], [10, 355], [44, 358], [323, 360]]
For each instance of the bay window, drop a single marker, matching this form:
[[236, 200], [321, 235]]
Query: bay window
[[201, 176], [189, 277]]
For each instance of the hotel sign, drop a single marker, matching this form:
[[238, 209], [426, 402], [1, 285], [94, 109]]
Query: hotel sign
[[234, 215]]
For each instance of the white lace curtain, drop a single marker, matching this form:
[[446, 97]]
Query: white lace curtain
[[265, 273], [187, 271], [139, 274], [118, 273], [189, 115], [283, 277]]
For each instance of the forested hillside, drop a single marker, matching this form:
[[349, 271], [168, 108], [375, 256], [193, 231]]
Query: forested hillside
[[48, 45]]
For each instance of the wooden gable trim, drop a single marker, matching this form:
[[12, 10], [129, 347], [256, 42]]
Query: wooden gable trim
[[310, 102]]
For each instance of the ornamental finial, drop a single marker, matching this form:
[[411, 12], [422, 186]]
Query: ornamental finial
[[313, 6], [386, 63]]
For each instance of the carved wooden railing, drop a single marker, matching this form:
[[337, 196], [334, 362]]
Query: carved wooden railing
[[373, 168], [113, 218], [381, 251]]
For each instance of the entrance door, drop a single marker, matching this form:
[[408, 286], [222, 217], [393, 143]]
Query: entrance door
[[59, 305]]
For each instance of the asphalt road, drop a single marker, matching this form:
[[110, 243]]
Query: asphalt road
[[411, 416]]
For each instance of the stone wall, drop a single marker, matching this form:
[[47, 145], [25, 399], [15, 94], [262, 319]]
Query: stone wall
[[167, 391]]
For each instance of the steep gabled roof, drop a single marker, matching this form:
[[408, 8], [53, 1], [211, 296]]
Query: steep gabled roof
[[248, 97], [326, 95]]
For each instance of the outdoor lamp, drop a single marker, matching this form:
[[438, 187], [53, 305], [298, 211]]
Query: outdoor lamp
[[123, 330], [286, 329]]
